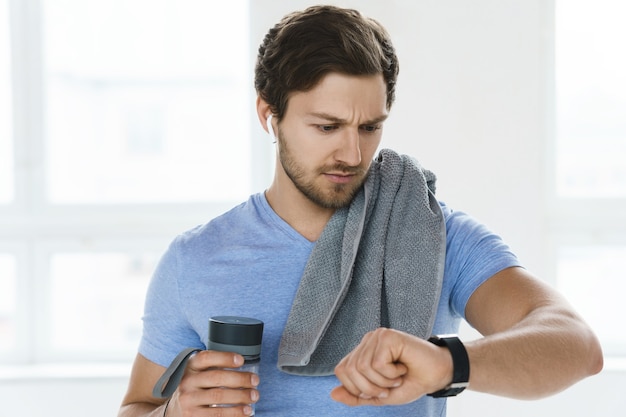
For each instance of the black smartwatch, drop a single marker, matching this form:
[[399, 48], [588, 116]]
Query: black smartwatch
[[460, 365]]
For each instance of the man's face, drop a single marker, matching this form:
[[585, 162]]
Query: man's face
[[328, 136]]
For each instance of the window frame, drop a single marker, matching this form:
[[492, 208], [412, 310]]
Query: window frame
[[575, 221], [31, 228]]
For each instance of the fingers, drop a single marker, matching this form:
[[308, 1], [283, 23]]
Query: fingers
[[223, 378], [391, 367], [372, 369], [206, 359], [216, 397], [175, 409], [211, 381]]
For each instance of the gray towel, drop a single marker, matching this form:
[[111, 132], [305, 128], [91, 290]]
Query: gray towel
[[379, 262]]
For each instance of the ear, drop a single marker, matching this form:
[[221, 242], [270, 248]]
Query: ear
[[263, 111]]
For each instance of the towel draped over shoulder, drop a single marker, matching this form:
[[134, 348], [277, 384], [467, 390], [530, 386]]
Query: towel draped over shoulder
[[378, 263]]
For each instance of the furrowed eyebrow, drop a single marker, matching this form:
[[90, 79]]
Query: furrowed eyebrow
[[333, 119], [328, 117], [377, 120]]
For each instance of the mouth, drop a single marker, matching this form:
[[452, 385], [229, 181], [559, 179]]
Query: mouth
[[340, 178]]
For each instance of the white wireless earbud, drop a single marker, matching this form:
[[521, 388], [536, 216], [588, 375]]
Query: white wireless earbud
[[270, 128]]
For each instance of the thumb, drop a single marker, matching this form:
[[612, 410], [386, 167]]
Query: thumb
[[342, 395]]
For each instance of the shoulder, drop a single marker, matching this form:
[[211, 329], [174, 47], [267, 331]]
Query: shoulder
[[229, 222], [474, 254], [464, 233]]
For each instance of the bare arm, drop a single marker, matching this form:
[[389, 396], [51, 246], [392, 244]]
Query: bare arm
[[203, 385], [534, 345], [138, 400]]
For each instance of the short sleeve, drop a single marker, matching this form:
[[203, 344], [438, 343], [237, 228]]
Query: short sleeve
[[166, 330], [474, 254]]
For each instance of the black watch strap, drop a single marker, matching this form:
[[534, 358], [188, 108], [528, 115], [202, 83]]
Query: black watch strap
[[460, 364]]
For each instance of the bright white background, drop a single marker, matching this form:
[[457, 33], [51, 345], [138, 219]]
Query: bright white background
[[477, 103]]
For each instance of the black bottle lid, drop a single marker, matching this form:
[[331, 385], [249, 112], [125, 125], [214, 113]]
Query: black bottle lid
[[235, 334]]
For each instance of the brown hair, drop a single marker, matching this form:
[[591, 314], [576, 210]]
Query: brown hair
[[305, 46]]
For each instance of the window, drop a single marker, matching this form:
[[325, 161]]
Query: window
[[133, 126], [592, 278], [92, 296], [144, 100], [591, 94], [6, 148], [8, 305], [589, 207]]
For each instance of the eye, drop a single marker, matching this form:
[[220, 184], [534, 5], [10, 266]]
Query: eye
[[327, 128], [370, 128]]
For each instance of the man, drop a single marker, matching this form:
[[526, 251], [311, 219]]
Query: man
[[350, 262]]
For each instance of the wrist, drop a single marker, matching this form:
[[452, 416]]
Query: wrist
[[165, 407], [459, 377]]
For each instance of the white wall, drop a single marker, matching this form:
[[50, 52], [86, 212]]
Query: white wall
[[473, 105], [472, 101]]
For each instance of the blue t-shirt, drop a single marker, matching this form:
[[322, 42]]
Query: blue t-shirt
[[248, 262]]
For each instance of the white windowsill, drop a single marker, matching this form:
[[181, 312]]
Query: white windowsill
[[122, 370], [65, 371]]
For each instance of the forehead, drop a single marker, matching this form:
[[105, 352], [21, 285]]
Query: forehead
[[344, 96]]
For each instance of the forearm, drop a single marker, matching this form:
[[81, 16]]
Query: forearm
[[142, 410], [547, 351]]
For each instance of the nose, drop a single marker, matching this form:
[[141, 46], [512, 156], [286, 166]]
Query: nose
[[349, 151]]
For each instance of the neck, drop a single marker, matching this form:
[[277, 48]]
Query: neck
[[303, 215]]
